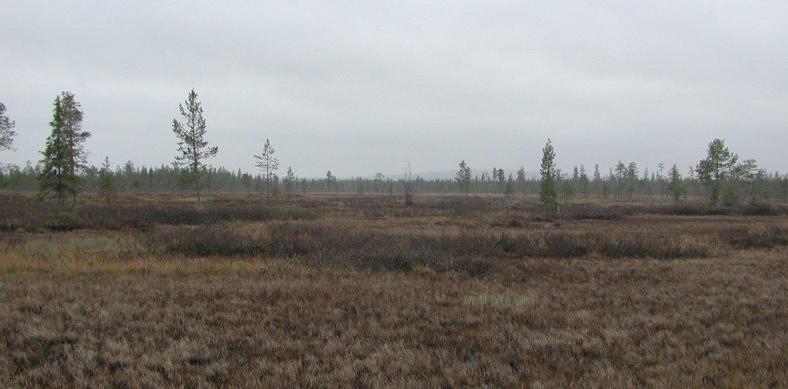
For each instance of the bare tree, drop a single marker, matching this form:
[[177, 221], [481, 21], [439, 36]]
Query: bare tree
[[192, 146], [267, 163]]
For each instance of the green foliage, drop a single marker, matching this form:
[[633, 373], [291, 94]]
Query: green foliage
[[716, 168], [500, 178], [106, 182], [268, 164], [730, 197], [463, 177], [547, 193], [193, 149], [566, 190], [720, 171], [584, 181], [7, 132], [409, 186], [331, 180], [509, 190], [289, 180], [64, 152], [521, 180], [675, 186]]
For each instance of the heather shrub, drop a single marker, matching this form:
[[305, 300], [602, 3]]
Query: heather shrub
[[755, 237], [377, 250], [38, 216]]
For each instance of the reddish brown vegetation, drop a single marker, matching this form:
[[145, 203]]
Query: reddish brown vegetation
[[367, 293]]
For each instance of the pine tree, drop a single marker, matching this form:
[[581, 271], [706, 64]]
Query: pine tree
[[268, 164], [106, 182], [547, 192], [64, 152], [501, 179], [7, 132], [192, 146], [716, 168], [463, 177], [289, 180], [330, 180]]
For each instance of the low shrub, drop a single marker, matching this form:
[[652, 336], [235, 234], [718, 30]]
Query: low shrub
[[38, 216], [755, 237], [201, 241], [373, 250]]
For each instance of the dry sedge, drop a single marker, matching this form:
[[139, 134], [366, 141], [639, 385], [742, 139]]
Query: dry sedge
[[359, 291]]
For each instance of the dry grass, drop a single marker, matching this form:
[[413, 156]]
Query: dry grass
[[101, 308]]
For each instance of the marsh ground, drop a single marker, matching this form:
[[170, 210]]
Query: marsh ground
[[341, 290]]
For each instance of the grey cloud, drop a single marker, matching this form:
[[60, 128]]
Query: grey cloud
[[359, 87]]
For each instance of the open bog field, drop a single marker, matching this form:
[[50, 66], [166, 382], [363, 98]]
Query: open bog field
[[343, 290]]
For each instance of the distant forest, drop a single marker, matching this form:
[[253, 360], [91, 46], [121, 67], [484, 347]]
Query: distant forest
[[141, 179], [63, 171]]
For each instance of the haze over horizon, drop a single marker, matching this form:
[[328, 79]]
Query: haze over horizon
[[365, 87]]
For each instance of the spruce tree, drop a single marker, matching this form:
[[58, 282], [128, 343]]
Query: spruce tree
[[193, 149], [674, 185], [106, 182], [631, 178], [547, 192], [584, 182]]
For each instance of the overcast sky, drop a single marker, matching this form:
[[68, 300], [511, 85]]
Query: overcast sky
[[360, 87]]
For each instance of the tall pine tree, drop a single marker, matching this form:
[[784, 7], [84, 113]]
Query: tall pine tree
[[268, 164], [193, 149]]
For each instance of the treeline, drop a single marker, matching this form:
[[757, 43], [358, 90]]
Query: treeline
[[63, 171], [129, 178]]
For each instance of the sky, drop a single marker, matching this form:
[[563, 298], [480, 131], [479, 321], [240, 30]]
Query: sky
[[360, 87]]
